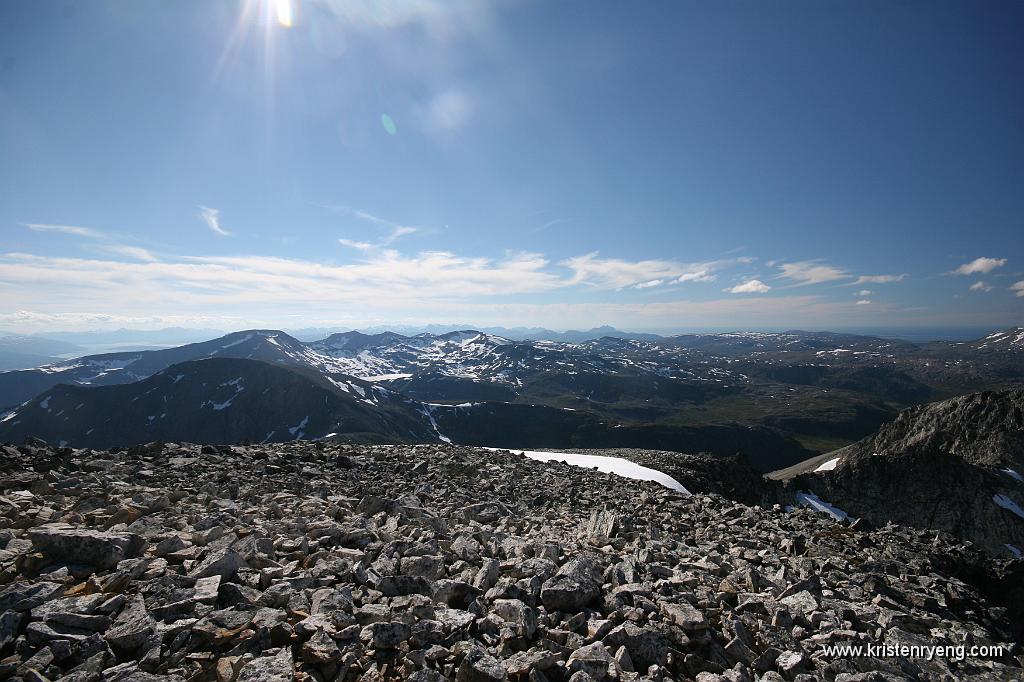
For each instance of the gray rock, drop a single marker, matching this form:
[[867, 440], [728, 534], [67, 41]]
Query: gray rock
[[273, 666], [221, 562], [103, 549], [593, 659], [577, 584]]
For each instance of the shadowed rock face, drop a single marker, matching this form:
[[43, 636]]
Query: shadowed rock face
[[985, 428], [953, 466], [328, 561]]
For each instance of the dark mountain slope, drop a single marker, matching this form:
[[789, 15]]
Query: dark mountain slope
[[539, 426], [121, 368], [219, 400], [954, 465]]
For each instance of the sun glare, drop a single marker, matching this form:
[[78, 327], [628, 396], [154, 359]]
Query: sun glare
[[284, 12]]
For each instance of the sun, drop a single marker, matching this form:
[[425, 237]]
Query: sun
[[283, 10]]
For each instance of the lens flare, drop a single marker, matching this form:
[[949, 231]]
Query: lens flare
[[284, 12], [389, 125]]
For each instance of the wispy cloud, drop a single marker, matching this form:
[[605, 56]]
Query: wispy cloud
[[753, 286], [352, 244], [107, 241], [211, 216], [980, 285], [135, 252], [87, 232], [395, 230], [878, 279], [864, 301], [1018, 288], [552, 223], [981, 265], [863, 292], [616, 273], [811, 272]]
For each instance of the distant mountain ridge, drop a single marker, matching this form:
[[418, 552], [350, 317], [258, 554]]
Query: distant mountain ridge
[[776, 397]]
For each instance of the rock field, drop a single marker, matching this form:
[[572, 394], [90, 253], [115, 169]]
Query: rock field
[[321, 561]]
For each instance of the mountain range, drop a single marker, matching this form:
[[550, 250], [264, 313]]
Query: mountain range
[[777, 398]]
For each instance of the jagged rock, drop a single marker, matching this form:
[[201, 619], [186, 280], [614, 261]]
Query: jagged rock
[[287, 565], [593, 659], [272, 666], [576, 584], [220, 562], [132, 627], [103, 549], [385, 635], [685, 616], [478, 666]]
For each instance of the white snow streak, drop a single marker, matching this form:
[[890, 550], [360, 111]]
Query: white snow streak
[[829, 465], [816, 503], [609, 465], [1006, 503]]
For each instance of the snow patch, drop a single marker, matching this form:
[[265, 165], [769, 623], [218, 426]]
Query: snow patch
[[1007, 503], [45, 404], [1013, 474], [386, 377], [240, 341], [829, 465], [816, 503], [301, 425], [609, 465], [227, 403], [428, 410]]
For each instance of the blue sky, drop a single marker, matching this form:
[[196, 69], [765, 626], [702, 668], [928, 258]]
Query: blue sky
[[653, 166]]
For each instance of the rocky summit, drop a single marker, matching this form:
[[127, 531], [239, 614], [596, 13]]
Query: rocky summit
[[329, 561]]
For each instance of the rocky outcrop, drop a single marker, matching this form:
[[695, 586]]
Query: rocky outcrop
[[985, 428], [953, 466], [321, 561]]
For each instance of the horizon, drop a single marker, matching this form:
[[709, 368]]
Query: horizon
[[151, 338], [287, 164]]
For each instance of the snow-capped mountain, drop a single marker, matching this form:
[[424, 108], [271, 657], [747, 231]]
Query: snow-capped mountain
[[219, 400], [776, 396]]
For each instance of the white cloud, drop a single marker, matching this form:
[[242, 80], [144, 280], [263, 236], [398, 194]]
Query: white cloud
[[65, 229], [811, 272], [878, 279], [648, 285], [980, 285], [361, 246], [29, 320], [863, 292], [1019, 288], [981, 265], [863, 301], [211, 216], [396, 230], [135, 252], [754, 286], [615, 273]]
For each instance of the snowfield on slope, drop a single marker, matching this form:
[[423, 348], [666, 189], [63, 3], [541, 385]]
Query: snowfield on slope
[[608, 465]]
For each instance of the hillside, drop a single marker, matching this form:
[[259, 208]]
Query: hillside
[[952, 465], [777, 398], [326, 561], [219, 400]]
